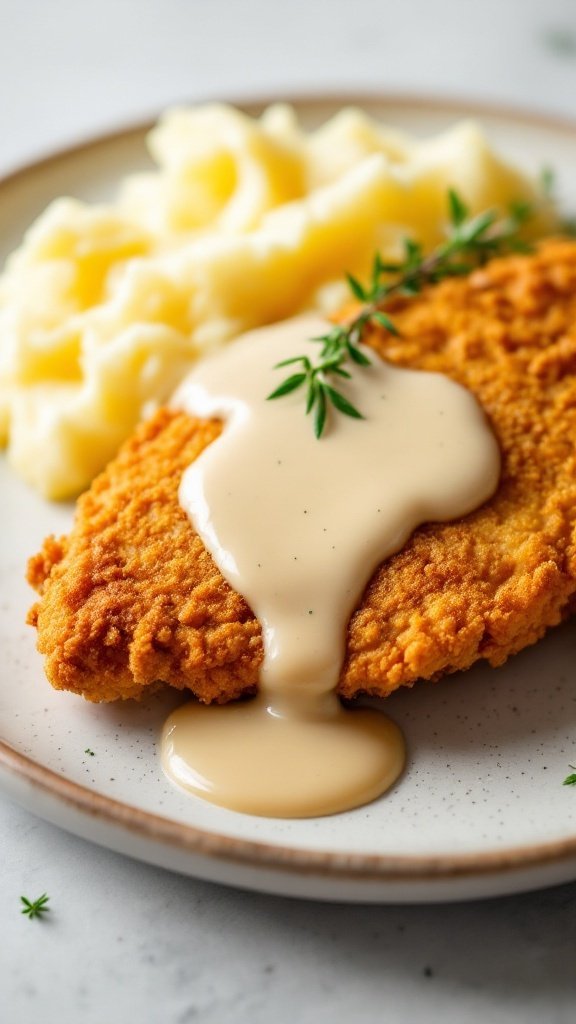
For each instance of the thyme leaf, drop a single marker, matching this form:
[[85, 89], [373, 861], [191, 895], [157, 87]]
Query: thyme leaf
[[35, 908], [290, 384]]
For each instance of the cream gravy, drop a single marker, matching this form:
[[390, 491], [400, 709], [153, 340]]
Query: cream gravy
[[297, 526]]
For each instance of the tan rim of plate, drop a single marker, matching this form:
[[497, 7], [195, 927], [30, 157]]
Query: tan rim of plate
[[152, 827]]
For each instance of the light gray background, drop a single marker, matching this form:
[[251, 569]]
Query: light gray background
[[125, 942]]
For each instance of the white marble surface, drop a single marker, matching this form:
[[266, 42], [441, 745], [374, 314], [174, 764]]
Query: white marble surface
[[129, 942]]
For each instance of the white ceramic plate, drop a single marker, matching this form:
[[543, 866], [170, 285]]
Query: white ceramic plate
[[481, 809]]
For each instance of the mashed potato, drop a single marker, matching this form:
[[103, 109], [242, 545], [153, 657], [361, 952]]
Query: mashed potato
[[245, 221]]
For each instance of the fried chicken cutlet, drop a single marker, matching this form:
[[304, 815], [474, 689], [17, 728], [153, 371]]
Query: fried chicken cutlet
[[131, 599]]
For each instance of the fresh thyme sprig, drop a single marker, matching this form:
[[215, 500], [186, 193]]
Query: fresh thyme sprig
[[470, 242], [35, 908], [570, 780]]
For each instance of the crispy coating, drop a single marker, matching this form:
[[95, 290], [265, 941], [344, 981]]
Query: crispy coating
[[131, 598]]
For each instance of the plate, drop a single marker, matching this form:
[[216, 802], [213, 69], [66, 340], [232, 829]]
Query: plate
[[481, 809]]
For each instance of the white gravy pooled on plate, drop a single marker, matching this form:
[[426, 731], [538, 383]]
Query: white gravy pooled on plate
[[297, 526]]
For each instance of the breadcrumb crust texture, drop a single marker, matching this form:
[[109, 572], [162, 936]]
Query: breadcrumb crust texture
[[131, 599]]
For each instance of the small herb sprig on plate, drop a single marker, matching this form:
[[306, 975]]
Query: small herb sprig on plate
[[570, 780], [470, 242], [35, 908]]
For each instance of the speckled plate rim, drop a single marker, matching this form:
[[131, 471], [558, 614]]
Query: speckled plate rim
[[335, 865], [332, 864]]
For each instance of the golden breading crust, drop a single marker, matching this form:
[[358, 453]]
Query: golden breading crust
[[131, 597]]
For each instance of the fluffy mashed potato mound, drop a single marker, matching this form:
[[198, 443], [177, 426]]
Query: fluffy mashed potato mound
[[244, 221]]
